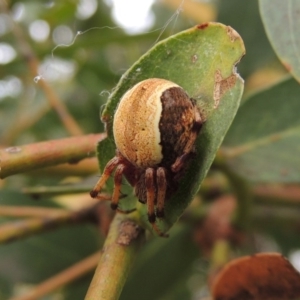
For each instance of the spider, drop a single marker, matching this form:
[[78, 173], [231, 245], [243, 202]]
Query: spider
[[155, 128]]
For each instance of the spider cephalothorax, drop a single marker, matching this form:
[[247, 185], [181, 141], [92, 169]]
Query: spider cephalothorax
[[155, 127]]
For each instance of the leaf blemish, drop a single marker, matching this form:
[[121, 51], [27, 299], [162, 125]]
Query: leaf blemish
[[202, 26], [233, 35], [287, 66], [194, 58], [222, 86]]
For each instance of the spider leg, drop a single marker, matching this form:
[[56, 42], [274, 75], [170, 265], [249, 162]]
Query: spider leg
[[117, 186], [109, 168], [151, 191], [179, 162], [103, 197], [117, 189], [161, 191]]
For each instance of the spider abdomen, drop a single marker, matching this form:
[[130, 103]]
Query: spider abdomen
[[153, 123]]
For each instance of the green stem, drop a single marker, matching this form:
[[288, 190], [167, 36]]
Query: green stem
[[220, 254], [30, 211], [57, 190], [119, 251], [242, 192], [26, 158], [22, 228], [33, 63]]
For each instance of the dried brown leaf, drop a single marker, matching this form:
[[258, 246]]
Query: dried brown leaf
[[262, 276]]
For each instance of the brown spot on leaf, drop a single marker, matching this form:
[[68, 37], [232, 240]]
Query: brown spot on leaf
[[222, 86], [194, 58], [202, 26], [287, 66], [233, 35], [265, 276]]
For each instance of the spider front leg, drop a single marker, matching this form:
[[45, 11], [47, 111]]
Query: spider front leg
[[121, 168], [109, 168], [117, 187], [151, 199]]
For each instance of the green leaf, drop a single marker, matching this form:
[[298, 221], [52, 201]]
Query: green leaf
[[282, 25], [264, 140], [194, 59]]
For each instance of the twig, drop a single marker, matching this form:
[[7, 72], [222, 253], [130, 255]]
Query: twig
[[33, 63], [30, 211], [56, 190], [15, 160], [241, 190], [244, 200], [23, 123], [119, 251], [22, 228], [85, 168], [61, 279], [220, 254], [285, 194]]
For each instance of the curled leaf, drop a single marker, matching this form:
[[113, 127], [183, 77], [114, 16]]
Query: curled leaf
[[265, 276]]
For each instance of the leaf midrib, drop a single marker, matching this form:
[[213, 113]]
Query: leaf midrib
[[231, 152]]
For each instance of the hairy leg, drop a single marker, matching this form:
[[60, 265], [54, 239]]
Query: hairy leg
[[151, 199], [109, 168], [161, 182], [117, 189]]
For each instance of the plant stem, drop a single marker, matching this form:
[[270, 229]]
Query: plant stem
[[25, 121], [33, 64], [57, 190], [278, 194], [85, 167], [119, 251], [242, 192], [30, 211], [61, 279], [220, 254], [21, 228], [20, 159]]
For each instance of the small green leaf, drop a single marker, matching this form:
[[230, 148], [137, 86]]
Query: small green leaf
[[282, 24], [264, 140], [201, 60]]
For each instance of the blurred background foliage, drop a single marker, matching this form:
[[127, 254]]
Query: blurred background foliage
[[82, 48]]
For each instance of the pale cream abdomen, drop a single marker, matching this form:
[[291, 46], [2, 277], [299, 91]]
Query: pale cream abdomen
[[136, 123]]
